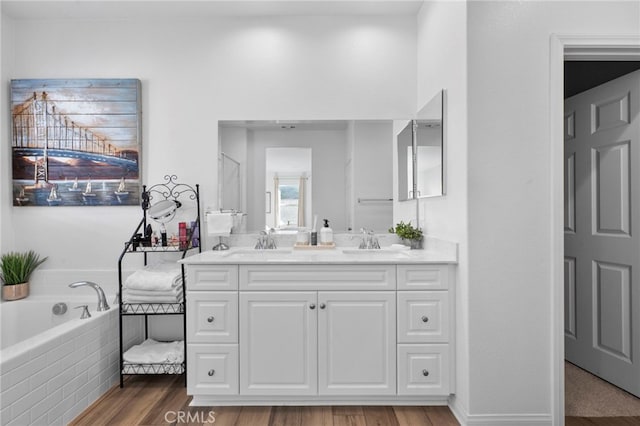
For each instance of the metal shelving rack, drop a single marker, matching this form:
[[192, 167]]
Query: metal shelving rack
[[182, 193]]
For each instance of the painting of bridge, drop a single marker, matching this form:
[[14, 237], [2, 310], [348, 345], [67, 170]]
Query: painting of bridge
[[76, 142]]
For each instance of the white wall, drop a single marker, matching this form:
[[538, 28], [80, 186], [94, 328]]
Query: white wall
[[6, 62], [195, 72], [442, 64], [510, 211]]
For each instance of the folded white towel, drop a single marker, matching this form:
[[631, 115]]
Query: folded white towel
[[151, 351], [128, 298], [154, 280], [135, 292]]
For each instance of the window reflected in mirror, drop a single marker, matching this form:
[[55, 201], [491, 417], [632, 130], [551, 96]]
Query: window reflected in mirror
[[287, 173]]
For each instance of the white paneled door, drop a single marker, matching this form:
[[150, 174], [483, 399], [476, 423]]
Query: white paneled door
[[602, 235]]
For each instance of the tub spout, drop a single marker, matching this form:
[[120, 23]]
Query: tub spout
[[102, 299]]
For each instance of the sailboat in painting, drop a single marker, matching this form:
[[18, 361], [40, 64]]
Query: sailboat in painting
[[87, 191], [121, 193], [22, 198], [53, 199], [74, 186]]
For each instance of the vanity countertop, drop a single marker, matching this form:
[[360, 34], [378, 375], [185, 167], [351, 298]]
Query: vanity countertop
[[441, 252]]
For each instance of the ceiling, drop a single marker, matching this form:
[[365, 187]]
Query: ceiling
[[584, 75], [154, 9]]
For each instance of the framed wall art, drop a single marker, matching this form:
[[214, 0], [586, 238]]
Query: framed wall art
[[76, 142]]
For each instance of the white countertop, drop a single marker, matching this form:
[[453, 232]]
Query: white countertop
[[435, 252]]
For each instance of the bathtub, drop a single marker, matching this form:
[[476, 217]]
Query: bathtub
[[53, 367]]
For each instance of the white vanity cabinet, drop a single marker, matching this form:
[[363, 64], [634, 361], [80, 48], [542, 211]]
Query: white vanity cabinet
[[275, 333], [326, 343]]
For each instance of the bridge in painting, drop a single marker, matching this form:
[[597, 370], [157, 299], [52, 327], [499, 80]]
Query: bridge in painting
[[40, 131]]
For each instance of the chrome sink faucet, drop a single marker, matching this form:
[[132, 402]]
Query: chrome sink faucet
[[102, 299], [266, 241], [369, 240]]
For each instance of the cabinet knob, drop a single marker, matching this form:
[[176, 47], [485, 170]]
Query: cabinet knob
[[322, 306], [425, 318], [425, 373], [312, 306], [210, 319], [211, 372]]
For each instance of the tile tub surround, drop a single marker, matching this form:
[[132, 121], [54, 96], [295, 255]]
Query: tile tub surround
[[52, 377]]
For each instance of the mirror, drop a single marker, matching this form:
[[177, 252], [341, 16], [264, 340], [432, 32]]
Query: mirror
[[289, 171], [164, 210], [405, 163], [421, 153]]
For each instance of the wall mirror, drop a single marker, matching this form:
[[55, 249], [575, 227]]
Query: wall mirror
[[282, 173], [421, 149]]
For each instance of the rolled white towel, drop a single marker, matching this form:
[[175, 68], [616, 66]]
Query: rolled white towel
[[151, 351]]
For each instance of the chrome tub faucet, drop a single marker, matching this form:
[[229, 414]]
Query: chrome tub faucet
[[102, 299]]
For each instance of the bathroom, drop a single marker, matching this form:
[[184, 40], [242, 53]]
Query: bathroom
[[212, 62]]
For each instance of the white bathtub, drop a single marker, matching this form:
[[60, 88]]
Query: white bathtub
[[53, 367]]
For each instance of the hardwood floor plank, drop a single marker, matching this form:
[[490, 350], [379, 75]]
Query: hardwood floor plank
[[411, 416], [349, 420], [166, 409], [286, 416], [380, 416], [255, 416], [317, 415], [128, 405], [347, 410], [226, 416], [441, 416]]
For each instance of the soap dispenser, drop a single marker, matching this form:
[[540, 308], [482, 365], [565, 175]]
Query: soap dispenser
[[326, 233]]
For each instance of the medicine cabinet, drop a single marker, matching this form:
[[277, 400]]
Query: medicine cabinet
[[421, 171]]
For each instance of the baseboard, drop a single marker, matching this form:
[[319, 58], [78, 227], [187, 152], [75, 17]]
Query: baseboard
[[466, 419]]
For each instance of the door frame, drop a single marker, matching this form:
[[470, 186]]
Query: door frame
[[576, 47]]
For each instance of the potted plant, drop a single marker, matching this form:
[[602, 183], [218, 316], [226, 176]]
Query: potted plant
[[16, 269], [409, 234]]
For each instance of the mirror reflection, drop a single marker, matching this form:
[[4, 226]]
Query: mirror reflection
[[420, 148], [282, 173]]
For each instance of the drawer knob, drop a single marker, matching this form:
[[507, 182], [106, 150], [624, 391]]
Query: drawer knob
[[322, 306], [425, 318], [211, 372], [312, 306], [425, 373], [210, 319]]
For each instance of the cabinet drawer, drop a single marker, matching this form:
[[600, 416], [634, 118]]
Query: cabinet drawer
[[317, 277], [423, 370], [423, 316], [212, 277], [212, 369], [423, 277], [212, 317]]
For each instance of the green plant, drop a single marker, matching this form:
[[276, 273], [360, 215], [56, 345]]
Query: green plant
[[17, 267], [406, 231]]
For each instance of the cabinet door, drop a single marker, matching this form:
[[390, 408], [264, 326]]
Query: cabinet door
[[357, 343], [278, 343]]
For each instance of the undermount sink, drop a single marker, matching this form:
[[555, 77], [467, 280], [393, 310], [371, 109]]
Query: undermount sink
[[258, 253], [376, 253]]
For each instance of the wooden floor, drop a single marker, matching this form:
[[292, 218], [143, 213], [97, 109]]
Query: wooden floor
[[162, 400]]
